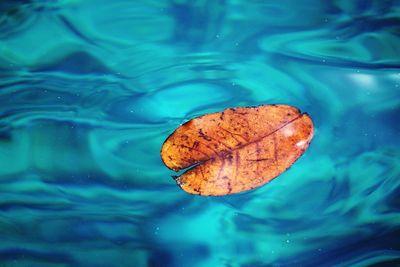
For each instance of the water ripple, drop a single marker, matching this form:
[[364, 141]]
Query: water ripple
[[89, 90]]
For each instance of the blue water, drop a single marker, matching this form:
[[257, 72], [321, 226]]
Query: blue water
[[89, 90]]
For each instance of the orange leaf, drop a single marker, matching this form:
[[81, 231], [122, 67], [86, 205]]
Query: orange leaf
[[238, 149]]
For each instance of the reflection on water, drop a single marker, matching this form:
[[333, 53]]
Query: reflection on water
[[89, 90]]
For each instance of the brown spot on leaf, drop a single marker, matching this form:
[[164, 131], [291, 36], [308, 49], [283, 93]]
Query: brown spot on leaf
[[228, 159]]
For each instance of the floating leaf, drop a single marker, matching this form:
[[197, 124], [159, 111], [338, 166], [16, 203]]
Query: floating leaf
[[238, 149]]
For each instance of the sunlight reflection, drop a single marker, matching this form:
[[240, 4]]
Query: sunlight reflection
[[363, 79]]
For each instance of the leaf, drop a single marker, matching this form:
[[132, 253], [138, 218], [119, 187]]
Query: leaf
[[238, 149]]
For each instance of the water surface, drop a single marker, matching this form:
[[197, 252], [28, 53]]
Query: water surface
[[90, 89]]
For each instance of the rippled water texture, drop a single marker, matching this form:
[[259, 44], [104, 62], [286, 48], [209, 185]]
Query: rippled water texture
[[90, 89]]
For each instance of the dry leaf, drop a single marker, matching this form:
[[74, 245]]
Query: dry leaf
[[238, 149]]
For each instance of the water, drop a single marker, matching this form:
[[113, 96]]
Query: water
[[89, 90]]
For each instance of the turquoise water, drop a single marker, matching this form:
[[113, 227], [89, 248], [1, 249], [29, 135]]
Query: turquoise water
[[89, 90]]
